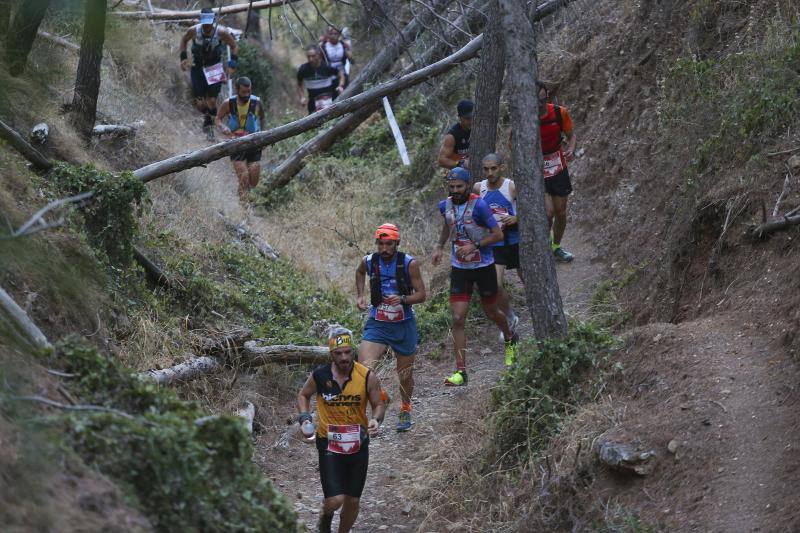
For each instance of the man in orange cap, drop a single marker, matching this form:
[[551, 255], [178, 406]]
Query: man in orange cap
[[395, 283]]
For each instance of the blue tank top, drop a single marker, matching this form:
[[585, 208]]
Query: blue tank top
[[385, 312], [501, 204]]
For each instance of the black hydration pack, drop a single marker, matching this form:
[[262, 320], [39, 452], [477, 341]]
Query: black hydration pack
[[375, 278]]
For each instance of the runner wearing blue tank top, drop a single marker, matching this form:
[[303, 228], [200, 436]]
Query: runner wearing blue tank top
[[501, 195], [395, 286], [471, 230]]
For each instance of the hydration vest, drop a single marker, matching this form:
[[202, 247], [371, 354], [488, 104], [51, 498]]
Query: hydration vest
[[401, 277], [206, 50], [551, 127], [474, 232], [251, 124], [501, 202], [334, 54]]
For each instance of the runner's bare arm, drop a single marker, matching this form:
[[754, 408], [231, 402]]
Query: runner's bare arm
[[419, 294], [572, 141], [226, 37], [301, 91], [511, 220], [340, 88], [188, 36], [305, 394], [222, 117], [444, 236], [375, 400], [361, 276], [476, 188], [447, 153], [495, 235]]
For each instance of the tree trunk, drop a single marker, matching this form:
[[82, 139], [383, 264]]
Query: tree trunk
[[5, 16], [270, 137], [536, 258], [22, 33], [255, 355], [189, 370], [13, 315], [87, 81], [483, 138]]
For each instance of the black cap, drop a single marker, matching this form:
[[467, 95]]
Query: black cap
[[465, 108]]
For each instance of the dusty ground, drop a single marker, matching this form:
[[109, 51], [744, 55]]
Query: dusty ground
[[448, 425]]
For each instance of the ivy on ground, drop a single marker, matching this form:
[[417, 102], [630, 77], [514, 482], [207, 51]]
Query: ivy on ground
[[188, 471]]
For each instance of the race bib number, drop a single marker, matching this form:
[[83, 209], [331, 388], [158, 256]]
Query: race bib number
[[499, 213], [474, 257], [323, 101], [390, 313], [214, 74], [553, 164], [345, 440]]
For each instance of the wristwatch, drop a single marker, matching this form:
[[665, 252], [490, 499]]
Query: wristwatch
[[403, 299], [477, 244]]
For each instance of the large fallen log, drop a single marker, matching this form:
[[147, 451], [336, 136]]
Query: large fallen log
[[153, 272], [117, 130], [762, 231], [256, 355], [165, 14], [23, 147], [20, 323], [269, 137], [190, 369]]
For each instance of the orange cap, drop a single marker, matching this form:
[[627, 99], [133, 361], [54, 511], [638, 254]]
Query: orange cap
[[387, 231]]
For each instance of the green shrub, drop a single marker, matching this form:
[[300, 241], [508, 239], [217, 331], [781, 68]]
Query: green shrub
[[254, 65], [735, 103], [434, 317], [110, 217], [188, 471], [542, 388]]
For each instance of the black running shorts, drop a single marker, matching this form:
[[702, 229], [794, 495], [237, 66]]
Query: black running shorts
[[463, 279], [251, 156], [200, 87], [558, 185], [342, 474], [507, 255]]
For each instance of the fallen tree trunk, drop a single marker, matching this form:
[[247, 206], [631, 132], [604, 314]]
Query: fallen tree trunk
[[226, 345], [21, 323], [153, 271], [256, 355], [165, 14], [241, 230], [190, 369], [769, 227], [23, 147], [117, 130], [269, 137], [59, 40], [293, 164]]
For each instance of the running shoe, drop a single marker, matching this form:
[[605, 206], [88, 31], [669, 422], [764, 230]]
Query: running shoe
[[512, 325], [458, 379], [511, 352], [403, 421], [562, 256]]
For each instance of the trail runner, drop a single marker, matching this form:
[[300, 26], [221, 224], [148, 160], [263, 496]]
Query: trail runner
[[336, 51], [471, 230], [395, 283], [342, 388], [322, 83], [501, 195], [239, 116], [455, 146], [207, 71]]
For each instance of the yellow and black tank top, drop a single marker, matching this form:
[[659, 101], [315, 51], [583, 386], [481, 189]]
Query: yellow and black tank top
[[341, 405]]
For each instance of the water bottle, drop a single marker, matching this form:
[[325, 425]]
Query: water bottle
[[308, 429]]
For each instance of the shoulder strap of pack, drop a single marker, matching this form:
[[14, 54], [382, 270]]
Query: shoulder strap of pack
[[253, 103], [374, 268], [400, 274], [484, 186], [559, 118]]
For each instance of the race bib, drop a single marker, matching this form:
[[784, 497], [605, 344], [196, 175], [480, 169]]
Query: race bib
[[553, 164], [474, 257], [214, 74], [499, 213], [323, 101], [390, 313], [345, 440]]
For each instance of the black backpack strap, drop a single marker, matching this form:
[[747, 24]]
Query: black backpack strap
[[375, 296], [559, 118], [401, 275]]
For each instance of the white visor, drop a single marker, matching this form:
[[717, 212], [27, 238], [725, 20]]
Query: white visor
[[206, 18]]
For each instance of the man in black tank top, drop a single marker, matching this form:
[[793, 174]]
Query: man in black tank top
[[453, 152]]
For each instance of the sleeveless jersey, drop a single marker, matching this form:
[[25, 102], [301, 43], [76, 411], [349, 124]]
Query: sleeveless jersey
[[334, 53], [385, 313], [243, 119], [341, 405], [501, 204], [462, 139], [206, 50]]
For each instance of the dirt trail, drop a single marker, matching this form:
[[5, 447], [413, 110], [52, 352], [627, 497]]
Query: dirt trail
[[447, 423]]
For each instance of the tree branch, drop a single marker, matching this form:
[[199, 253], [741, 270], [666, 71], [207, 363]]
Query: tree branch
[[224, 10], [23, 147], [22, 322]]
